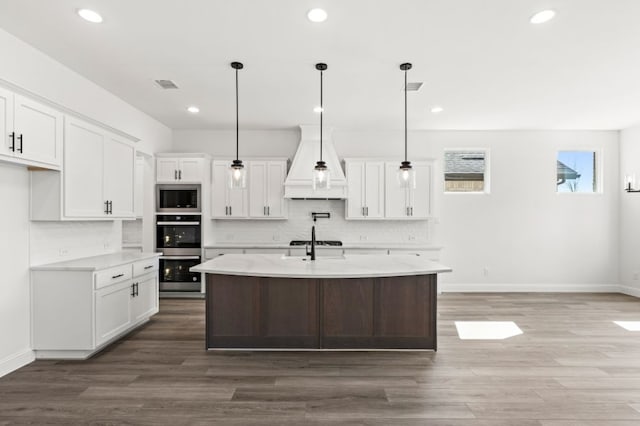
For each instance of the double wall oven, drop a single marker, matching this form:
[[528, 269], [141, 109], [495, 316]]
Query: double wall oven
[[179, 238]]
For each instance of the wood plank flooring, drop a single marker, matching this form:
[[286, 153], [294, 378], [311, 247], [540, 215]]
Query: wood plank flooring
[[571, 366]]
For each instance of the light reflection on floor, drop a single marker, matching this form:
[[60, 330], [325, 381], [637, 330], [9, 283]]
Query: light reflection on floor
[[487, 330], [629, 325]]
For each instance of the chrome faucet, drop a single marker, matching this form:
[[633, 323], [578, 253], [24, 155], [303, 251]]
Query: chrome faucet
[[312, 252]]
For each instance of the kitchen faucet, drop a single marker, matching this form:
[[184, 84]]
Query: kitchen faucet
[[312, 253]]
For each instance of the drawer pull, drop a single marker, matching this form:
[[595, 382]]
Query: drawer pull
[[148, 267], [117, 276]]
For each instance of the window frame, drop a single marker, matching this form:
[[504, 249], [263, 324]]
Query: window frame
[[487, 171], [599, 170]]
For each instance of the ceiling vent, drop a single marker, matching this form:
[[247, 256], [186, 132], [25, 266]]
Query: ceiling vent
[[413, 87], [166, 84]]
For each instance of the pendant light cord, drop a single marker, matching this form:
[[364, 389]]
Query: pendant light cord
[[405, 115], [237, 119], [321, 113]]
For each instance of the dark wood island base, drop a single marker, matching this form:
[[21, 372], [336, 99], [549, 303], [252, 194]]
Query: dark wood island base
[[247, 312]]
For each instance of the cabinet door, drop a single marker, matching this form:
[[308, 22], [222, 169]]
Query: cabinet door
[[145, 302], [83, 163], [190, 170], [374, 189], [138, 191], [167, 170], [395, 197], [238, 203], [219, 190], [6, 123], [355, 187], [276, 174], [420, 197], [257, 187], [113, 310], [40, 131], [119, 171]]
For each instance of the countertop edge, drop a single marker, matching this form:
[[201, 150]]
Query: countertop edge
[[68, 265]]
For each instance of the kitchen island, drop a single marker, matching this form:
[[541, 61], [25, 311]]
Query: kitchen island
[[338, 302]]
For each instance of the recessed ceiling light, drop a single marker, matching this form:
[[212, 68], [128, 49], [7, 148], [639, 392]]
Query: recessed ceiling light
[[437, 109], [90, 15], [193, 109], [542, 17], [318, 109], [317, 15]]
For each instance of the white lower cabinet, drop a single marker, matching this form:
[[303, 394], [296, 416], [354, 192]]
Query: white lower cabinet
[[78, 312]]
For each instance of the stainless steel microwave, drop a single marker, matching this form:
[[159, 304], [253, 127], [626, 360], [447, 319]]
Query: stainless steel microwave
[[178, 199]]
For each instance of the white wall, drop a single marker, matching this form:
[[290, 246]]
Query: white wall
[[29, 69], [525, 235], [15, 342], [630, 213]]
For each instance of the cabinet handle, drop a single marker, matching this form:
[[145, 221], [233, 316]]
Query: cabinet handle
[[21, 140], [366, 210], [268, 210], [226, 210], [264, 210], [111, 207], [12, 135], [106, 207], [230, 211], [133, 290], [148, 267], [175, 175], [137, 292], [411, 210], [362, 211], [179, 174], [117, 276]]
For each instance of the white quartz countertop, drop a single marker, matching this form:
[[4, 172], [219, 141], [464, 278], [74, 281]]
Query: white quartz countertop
[[96, 263], [343, 246], [348, 266]]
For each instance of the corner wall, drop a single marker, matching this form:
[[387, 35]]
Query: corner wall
[[630, 213], [24, 66]]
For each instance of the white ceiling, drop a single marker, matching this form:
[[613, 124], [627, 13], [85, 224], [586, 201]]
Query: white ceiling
[[480, 59]]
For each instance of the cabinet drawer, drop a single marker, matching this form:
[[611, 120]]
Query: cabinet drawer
[[113, 275], [145, 266]]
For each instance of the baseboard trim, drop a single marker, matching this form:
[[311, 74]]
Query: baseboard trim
[[531, 288], [15, 361], [630, 291]]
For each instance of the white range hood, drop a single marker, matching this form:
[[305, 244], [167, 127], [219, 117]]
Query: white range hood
[[299, 182]]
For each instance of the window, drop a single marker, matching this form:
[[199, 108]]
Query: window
[[576, 171], [465, 171]]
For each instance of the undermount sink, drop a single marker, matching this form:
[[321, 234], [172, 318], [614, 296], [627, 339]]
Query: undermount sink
[[308, 258]]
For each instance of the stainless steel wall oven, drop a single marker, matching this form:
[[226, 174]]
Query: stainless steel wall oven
[[178, 237]]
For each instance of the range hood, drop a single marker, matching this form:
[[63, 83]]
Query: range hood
[[299, 182]]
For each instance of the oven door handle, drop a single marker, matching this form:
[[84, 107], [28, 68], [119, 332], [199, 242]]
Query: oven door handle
[[179, 257], [178, 223]]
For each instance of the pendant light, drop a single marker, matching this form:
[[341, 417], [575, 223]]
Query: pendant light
[[237, 172], [406, 173], [321, 178]]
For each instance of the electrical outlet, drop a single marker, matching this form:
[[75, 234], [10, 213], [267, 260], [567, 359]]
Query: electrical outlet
[[485, 271], [63, 252], [107, 244], [412, 237], [229, 237], [636, 275], [363, 238], [276, 237]]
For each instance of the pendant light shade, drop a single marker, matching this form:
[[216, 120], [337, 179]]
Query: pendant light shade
[[406, 173], [237, 172], [321, 173]]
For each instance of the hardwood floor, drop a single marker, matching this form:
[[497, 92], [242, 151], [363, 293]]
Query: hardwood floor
[[571, 366]]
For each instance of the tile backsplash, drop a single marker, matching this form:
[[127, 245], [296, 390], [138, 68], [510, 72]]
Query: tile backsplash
[[59, 241], [298, 227]]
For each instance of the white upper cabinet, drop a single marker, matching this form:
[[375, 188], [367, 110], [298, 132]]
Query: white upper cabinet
[[409, 203], [179, 170], [226, 202], [266, 189], [32, 132], [366, 189], [97, 181], [119, 176]]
